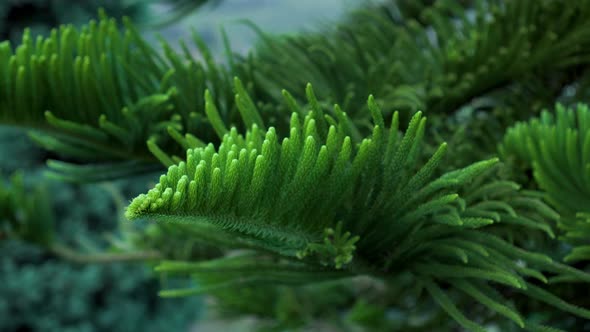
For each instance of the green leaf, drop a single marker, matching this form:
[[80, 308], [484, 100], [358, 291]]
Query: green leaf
[[447, 304]]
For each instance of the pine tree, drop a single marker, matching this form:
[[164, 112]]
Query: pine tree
[[419, 166]]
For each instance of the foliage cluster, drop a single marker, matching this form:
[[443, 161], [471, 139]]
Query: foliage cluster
[[306, 171]]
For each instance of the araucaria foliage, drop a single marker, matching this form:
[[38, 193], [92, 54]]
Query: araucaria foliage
[[304, 182]]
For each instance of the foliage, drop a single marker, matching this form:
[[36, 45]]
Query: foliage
[[41, 293], [280, 199], [283, 201], [557, 148], [24, 214], [438, 65], [124, 106], [78, 298]]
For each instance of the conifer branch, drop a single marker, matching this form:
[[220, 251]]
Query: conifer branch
[[283, 199]]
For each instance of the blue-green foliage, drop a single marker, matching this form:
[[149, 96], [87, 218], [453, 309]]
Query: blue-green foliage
[[25, 214], [39, 291], [42, 293]]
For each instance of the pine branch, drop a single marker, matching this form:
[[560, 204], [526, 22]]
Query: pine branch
[[437, 63], [287, 199], [557, 148], [106, 97]]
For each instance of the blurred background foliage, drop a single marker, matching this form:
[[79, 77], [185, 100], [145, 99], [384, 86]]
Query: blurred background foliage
[[41, 292]]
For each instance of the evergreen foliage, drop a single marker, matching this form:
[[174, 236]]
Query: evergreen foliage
[[42, 293], [279, 197], [557, 148], [90, 88], [39, 291], [284, 200], [25, 214], [429, 62]]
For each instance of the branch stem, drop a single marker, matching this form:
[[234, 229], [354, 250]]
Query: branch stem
[[74, 256]]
